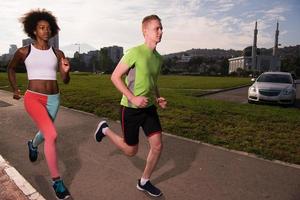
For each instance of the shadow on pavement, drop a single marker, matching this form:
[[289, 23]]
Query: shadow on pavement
[[182, 158]]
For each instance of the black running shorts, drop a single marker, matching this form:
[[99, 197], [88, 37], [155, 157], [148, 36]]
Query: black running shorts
[[134, 118]]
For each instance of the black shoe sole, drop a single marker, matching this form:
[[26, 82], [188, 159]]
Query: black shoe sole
[[97, 129], [153, 195], [32, 160], [66, 197]]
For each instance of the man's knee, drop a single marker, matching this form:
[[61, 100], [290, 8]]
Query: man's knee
[[157, 147], [131, 151]]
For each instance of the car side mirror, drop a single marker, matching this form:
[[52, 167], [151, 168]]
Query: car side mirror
[[252, 79]]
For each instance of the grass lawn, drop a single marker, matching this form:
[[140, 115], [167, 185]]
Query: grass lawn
[[272, 132]]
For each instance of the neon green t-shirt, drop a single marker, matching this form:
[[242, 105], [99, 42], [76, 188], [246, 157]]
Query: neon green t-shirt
[[144, 68]]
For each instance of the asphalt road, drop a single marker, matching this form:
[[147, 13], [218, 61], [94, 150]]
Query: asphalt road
[[92, 171]]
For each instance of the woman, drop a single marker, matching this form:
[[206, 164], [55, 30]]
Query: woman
[[41, 99]]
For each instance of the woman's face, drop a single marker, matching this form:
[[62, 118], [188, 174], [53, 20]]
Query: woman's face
[[43, 30]]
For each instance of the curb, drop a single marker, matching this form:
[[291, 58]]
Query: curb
[[250, 155], [26, 188], [222, 90]]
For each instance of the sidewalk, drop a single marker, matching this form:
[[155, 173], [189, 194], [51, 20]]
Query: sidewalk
[[13, 186], [187, 169], [8, 188]]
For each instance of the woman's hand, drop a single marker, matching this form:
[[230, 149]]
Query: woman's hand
[[65, 65], [17, 94]]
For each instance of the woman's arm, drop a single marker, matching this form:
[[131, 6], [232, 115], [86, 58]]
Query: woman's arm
[[64, 67], [11, 69]]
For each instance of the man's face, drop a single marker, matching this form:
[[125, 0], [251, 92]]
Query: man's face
[[153, 31]]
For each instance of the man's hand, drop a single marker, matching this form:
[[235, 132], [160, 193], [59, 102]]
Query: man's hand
[[17, 94], [139, 101], [162, 102]]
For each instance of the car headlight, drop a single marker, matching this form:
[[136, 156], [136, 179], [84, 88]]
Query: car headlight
[[252, 89], [287, 91]]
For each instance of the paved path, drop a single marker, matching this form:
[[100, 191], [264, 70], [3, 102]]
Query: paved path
[[187, 170], [236, 95]]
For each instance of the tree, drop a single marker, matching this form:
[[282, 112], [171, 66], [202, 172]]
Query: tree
[[291, 64], [224, 66], [77, 63]]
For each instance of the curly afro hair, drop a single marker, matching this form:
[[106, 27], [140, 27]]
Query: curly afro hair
[[31, 19]]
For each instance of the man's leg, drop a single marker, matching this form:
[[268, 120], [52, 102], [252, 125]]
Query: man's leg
[[120, 143], [144, 184], [155, 142], [130, 121]]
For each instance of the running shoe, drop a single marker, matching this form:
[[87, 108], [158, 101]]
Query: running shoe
[[99, 135], [60, 190], [149, 188], [33, 151]]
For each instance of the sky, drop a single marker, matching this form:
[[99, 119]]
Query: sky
[[226, 24]]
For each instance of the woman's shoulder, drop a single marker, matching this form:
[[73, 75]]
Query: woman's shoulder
[[59, 53], [22, 52]]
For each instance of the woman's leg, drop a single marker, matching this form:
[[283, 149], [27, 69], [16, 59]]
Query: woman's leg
[[53, 102], [35, 105]]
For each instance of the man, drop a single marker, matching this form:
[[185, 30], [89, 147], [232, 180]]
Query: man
[[141, 65]]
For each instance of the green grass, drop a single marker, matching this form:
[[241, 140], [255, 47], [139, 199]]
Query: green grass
[[272, 132]]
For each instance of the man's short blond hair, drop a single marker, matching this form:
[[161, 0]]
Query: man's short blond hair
[[150, 18]]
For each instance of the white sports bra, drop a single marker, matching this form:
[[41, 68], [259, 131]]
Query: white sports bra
[[41, 64]]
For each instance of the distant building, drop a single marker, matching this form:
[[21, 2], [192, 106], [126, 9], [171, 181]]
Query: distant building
[[5, 58], [115, 53], [27, 41], [87, 57], [13, 48], [253, 61], [54, 41], [185, 58]]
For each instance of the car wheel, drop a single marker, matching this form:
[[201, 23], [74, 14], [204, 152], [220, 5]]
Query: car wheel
[[251, 102]]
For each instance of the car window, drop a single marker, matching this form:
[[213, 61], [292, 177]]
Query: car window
[[274, 78]]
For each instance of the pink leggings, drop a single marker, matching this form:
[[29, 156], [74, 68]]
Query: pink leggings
[[36, 106]]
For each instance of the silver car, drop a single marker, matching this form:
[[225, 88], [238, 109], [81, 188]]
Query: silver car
[[276, 87]]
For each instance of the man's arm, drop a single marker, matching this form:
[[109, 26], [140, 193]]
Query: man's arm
[[162, 102], [116, 78], [156, 91]]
